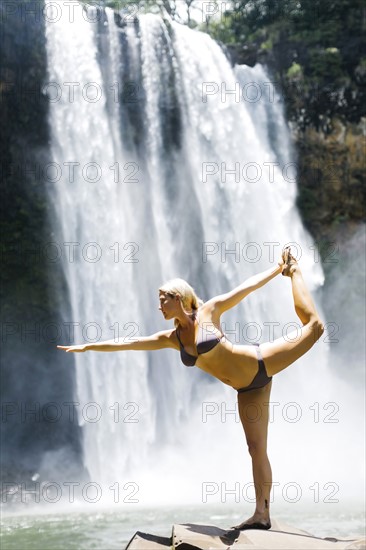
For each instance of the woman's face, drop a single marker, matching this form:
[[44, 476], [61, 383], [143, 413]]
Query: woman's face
[[168, 305]]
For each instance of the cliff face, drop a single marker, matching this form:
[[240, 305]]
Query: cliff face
[[331, 174], [33, 292]]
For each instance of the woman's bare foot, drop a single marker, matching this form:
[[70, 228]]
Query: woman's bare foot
[[255, 522], [291, 264]]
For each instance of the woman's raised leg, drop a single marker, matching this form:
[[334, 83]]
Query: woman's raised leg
[[284, 351]]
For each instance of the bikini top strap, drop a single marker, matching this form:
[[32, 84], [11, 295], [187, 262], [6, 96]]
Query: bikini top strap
[[177, 333], [176, 330]]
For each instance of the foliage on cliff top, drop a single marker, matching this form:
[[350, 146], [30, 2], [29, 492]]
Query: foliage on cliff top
[[316, 49]]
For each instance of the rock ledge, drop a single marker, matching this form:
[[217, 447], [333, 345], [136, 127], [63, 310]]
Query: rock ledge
[[194, 536]]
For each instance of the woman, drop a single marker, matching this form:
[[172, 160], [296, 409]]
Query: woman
[[246, 368]]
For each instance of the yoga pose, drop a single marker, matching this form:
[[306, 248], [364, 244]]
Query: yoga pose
[[246, 368]]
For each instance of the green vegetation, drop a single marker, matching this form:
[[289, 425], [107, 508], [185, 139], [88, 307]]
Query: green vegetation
[[295, 71], [315, 49]]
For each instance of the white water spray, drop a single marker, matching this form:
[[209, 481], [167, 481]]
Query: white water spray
[[174, 178]]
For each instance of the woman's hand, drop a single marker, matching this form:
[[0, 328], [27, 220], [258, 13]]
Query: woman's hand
[[77, 349], [284, 257], [281, 262]]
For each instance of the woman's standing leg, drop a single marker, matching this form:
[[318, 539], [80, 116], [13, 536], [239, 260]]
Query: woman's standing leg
[[277, 356], [254, 416]]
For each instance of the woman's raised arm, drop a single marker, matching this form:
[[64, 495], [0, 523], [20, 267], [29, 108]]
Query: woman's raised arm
[[159, 340], [230, 299]]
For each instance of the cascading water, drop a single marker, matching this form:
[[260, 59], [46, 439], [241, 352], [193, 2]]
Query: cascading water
[[145, 148]]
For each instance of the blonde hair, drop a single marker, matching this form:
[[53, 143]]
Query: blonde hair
[[190, 300]]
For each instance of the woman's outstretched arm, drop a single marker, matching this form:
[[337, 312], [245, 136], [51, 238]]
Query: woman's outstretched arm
[[230, 299], [159, 340]]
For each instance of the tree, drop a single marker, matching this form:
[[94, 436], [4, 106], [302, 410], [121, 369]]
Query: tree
[[182, 11]]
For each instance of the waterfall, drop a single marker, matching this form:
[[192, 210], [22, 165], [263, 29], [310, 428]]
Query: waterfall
[[143, 149]]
